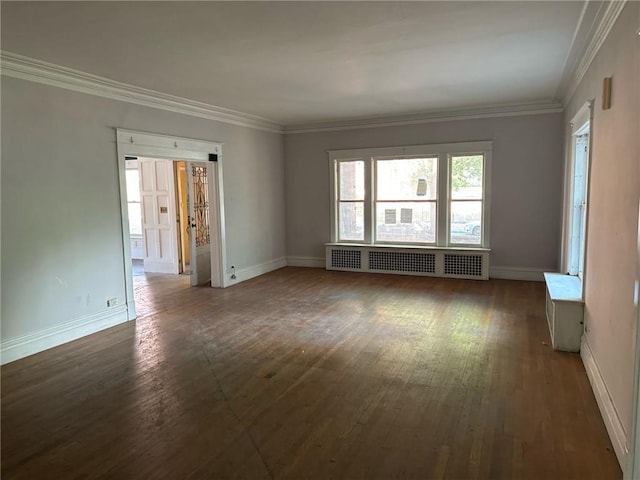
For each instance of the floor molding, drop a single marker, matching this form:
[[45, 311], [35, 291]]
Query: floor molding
[[312, 262], [257, 270], [17, 348], [505, 273], [605, 403], [519, 273]]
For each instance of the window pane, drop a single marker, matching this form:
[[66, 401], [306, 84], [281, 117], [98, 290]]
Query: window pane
[[133, 187], [135, 219], [351, 221], [466, 177], [351, 180], [466, 222], [406, 222], [410, 179]]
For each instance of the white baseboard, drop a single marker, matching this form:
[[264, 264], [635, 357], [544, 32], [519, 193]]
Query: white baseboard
[[506, 273], [256, 270], [312, 262], [519, 273], [17, 348], [605, 403]]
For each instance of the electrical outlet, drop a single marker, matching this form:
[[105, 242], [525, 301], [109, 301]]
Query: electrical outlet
[[112, 302]]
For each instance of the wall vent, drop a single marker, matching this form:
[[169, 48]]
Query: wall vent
[[460, 265], [410, 262], [423, 261], [346, 259]]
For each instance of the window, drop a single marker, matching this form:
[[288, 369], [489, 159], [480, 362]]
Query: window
[[579, 188], [467, 192], [432, 195], [579, 203], [405, 200], [132, 177], [351, 199]]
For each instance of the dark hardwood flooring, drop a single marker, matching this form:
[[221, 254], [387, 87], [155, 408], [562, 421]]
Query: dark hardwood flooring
[[305, 373]]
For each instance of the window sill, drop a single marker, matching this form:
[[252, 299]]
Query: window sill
[[407, 246], [564, 288]]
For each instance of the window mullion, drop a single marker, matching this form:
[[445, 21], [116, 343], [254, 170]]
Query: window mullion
[[442, 205], [369, 199]]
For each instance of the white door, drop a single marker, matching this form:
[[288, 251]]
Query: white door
[[157, 199], [199, 219]]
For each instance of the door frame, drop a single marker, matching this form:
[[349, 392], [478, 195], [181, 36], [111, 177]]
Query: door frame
[[169, 147], [632, 468]]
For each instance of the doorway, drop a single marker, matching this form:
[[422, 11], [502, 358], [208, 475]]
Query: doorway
[[175, 219], [184, 228], [151, 250]]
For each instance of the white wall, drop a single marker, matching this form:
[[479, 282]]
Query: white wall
[[62, 253], [526, 183], [611, 259]]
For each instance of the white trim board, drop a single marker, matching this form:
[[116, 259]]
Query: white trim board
[[17, 348], [519, 273], [31, 69], [504, 273], [311, 262], [256, 270], [605, 404], [447, 115]]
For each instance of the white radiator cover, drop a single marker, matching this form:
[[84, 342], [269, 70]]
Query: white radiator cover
[[421, 261]]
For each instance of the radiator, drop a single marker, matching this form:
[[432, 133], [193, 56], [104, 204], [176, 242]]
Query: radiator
[[436, 262]]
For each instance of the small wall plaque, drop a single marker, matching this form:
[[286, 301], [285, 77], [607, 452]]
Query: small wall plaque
[[164, 210], [606, 93]]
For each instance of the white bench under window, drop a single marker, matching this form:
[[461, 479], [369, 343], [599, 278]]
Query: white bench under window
[[565, 311]]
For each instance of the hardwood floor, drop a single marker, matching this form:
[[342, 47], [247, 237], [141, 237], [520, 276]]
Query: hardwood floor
[[305, 373]]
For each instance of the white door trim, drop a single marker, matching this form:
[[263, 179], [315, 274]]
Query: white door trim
[[632, 468], [144, 144]]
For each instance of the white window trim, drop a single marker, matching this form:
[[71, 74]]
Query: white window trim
[[444, 152], [581, 123], [133, 165]]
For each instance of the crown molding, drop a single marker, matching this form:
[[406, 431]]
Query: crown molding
[[25, 68], [605, 23], [509, 110], [590, 16], [30, 69]]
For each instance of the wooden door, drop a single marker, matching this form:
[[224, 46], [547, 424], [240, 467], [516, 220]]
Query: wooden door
[[157, 195], [198, 179]]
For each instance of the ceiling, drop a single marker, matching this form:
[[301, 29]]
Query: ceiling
[[302, 62]]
